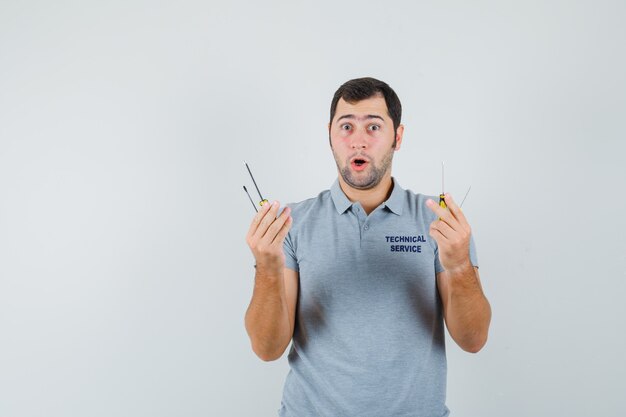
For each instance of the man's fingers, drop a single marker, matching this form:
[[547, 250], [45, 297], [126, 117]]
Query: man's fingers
[[442, 213], [280, 236], [436, 234], [257, 219], [275, 227], [455, 210], [443, 228], [267, 220]]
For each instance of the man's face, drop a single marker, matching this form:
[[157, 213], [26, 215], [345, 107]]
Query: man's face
[[362, 140]]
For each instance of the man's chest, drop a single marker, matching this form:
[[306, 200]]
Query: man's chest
[[348, 255]]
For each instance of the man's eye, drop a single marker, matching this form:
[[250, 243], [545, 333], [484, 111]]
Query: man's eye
[[374, 127], [345, 127]]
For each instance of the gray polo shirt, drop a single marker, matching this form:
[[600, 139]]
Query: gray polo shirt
[[368, 339]]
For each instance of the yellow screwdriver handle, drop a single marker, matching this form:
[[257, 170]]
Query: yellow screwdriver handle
[[442, 202]]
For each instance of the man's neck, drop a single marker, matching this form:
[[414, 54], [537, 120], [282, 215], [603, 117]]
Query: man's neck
[[369, 199]]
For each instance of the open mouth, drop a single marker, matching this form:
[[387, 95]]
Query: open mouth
[[359, 164]]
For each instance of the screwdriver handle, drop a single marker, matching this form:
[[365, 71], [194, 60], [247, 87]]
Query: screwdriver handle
[[442, 202]]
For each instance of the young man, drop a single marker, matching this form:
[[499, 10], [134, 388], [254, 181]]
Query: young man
[[362, 277]]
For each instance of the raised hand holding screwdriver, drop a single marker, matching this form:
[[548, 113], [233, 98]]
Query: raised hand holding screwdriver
[[266, 236], [452, 234]]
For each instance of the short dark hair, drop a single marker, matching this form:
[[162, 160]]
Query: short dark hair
[[362, 88]]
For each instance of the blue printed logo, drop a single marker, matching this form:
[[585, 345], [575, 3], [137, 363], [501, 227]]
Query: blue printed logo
[[405, 243]]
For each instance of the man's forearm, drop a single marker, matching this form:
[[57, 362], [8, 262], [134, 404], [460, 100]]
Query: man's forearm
[[468, 312], [267, 317]]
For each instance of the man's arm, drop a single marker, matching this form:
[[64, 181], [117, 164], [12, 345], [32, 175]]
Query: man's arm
[[466, 309], [270, 316]]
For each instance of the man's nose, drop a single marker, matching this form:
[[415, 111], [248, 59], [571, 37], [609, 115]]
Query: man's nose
[[359, 140]]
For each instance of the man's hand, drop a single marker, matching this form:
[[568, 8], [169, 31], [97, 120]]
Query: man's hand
[[270, 318], [465, 308], [452, 233], [266, 236]]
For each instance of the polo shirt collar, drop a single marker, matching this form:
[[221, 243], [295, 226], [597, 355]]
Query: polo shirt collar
[[395, 202], [339, 198]]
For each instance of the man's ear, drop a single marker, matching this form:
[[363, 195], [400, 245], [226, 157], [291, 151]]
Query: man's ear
[[329, 142], [399, 133]]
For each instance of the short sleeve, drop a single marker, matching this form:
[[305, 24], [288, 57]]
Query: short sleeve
[[472, 254], [291, 261]]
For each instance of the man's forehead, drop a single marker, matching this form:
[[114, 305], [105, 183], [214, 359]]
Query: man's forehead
[[374, 105]]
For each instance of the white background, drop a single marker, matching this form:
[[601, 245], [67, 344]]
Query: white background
[[124, 273]]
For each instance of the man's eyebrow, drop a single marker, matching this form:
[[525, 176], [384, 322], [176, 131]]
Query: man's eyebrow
[[352, 116]]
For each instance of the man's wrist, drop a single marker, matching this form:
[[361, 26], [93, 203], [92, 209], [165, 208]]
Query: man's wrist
[[267, 271], [461, 270], [463, 279]]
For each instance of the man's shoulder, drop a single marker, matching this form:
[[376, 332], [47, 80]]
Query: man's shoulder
[[311, 213], [323, 199], [419, 200], [416, 202]]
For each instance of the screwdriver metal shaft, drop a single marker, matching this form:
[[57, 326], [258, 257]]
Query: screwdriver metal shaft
[[468, 190], [253, 205], [263, 200]]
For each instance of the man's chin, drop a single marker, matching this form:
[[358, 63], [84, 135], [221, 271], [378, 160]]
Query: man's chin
[[364, 187], [364, 184]]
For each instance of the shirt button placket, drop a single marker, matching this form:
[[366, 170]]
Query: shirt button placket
[[361, 218]]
